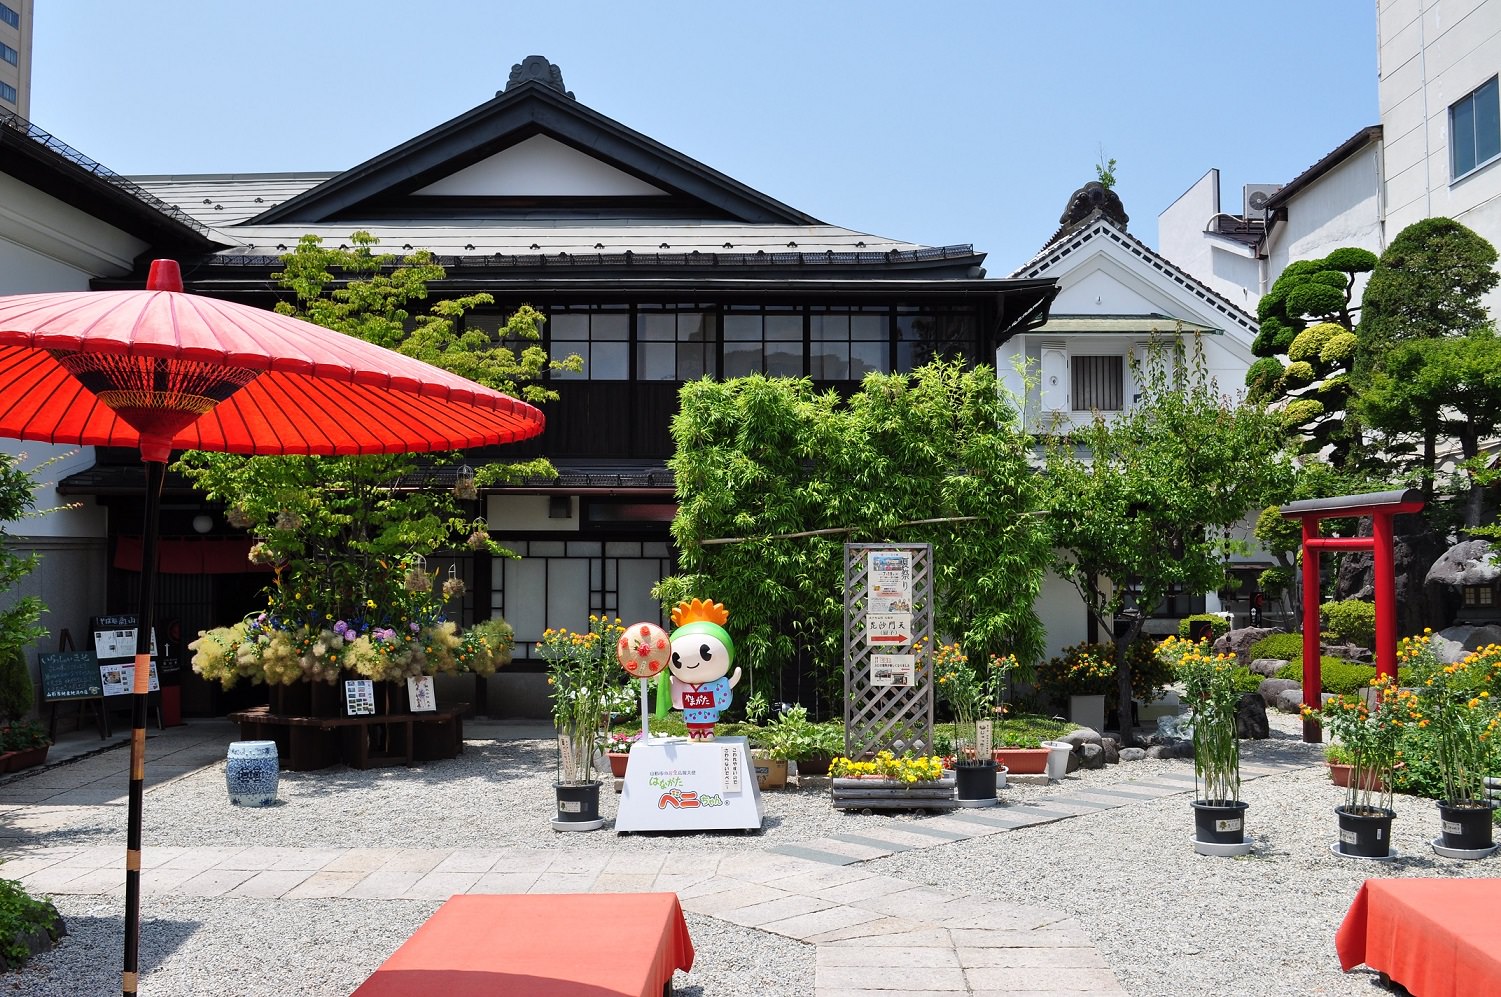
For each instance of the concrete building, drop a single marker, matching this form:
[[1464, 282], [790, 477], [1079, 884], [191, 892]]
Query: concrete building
[[15, 57]]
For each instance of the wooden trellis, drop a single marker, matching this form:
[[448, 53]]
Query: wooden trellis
[[877, 716]]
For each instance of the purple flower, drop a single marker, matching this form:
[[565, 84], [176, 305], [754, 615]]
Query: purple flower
[[414, 626]]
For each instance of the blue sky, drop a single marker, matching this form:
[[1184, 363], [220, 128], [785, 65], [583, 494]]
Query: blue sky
[[940, 123]]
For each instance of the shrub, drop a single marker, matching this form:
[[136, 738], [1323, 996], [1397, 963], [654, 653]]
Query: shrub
[[1245, 680], [22, 915], [1284, 646], [1349, 621], [16, 691], [1088, 669], [1218, 625], [1341, 677]]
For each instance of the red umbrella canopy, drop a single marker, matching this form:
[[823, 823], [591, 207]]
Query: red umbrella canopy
[[160, 369]]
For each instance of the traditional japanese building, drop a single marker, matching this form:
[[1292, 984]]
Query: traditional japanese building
[[653, 267]]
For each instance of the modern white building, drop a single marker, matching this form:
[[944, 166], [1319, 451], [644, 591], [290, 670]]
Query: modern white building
[[15, 57]]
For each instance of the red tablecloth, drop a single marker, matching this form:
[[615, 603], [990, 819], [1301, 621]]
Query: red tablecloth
[[1436, 937], [542, 945]]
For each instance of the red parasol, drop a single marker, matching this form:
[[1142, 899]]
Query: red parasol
[[162, 370]]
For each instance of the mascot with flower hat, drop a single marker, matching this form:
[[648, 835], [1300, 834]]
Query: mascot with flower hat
[[702, 653]]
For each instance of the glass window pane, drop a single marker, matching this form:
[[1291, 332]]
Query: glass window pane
[[824, 328], [566, 325], [567, 593], [784, 328], [784, 359], [868, 327], [610, 362], [691, 364], [561, 350], [1487, 123], [612, 327], [742, 328], [1462, 135], [657, 327], [525, 581], [741, 359], [656, 362], [695, 327], [829, 361], [866, 357]]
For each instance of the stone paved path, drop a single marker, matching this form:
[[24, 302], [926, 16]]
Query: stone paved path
[[930, 942]]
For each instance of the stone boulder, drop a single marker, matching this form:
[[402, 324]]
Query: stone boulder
[[1267, 666], [1083, 735], [1091, 756], [1271, 690], [1415, 549], [1453, 643], [1250, 717], [1238, 642], [1290, 700], [1348, 652], [1133, 754], [1112, 750], [1174, 749]]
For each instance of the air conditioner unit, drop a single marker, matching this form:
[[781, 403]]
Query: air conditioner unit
[[1256, 197]]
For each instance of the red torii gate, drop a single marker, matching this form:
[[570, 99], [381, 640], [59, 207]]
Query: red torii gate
[[1381, 507]]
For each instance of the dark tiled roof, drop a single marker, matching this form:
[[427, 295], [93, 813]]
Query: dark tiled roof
[[1346, 149]]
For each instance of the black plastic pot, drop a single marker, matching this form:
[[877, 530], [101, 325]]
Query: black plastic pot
[[1464, 827], [1219, 822], [577, 803], [1367, 834], [974, 781]]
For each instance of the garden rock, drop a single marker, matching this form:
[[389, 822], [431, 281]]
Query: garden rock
[[1133, 754], [1173, 749], [1112, 750], [1267, 666], [1238, 642], [1081, 736], [1250, 717], [1091, 756], [1291, 700], [1466, 563], [1271, 690], [1348, 652], [1453, 643]]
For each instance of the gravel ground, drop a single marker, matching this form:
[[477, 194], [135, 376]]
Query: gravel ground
[[1168, 921]]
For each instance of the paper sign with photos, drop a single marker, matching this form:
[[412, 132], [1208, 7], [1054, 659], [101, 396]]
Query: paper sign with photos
[[359, 697]]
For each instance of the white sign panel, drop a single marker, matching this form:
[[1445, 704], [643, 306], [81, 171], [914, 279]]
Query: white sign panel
[[420, 696], [893, 669], [680, 785], [359, 697], [984, 733], [119, 680], [888, 582], [891, 629]]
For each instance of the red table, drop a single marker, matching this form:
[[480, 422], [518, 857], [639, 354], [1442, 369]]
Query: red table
[[542, 945], [1436, 937]]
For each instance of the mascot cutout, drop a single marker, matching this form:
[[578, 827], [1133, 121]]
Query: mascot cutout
[[702, 653]]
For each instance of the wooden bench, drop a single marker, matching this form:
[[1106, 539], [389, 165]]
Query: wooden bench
[[307, 743], [530, 944]]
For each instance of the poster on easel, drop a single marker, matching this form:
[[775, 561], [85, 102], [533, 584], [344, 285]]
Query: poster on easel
[[359, 697], [420, 696], [118, 679], [115, 637]]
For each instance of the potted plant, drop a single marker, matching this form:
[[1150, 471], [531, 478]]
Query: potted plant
[[617, 747], [887, 781], [583, 674], [1462, 719], [771, 773], [791, 736], [827, 743], [25, 743], [1219, 812], [1341, 765], [971, 694], [1370, 728]]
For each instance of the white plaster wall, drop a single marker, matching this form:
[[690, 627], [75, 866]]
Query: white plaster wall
[[1340, 208], [540, 166], [1180, 226], [36, 228], [1063, 614], [511, 514]]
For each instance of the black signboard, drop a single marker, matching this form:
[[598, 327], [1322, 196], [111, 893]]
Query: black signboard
[[70, 675]]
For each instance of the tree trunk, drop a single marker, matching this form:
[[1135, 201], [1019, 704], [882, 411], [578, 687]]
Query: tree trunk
[[1123, 682]]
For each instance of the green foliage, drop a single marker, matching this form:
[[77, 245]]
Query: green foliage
[[1105, 171], [21, 735], [759, 458], [1090, 670], [19, 616], [1429, 284], [1244, 680], [1349, 621], [1214, 699], [583, 674], [338, 529], [1021, 730], [791, 736], [1146, 501], [1218, 625], [22, 915], [1308, 315], [16, 691], [1340, 677], [1284, 646]]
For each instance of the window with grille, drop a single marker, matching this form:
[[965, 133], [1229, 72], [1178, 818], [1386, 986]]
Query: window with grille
[[1098, 383], [1475, 129]]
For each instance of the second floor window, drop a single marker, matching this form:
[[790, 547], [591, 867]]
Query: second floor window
[[1475, 129], [9, 54], [1097, 384]]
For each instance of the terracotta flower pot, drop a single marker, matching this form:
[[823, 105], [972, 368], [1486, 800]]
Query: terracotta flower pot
[[1023, 761], [618, 760], [1340, 775]]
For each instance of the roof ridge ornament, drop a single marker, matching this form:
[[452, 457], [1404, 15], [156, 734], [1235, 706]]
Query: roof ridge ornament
[[536, 69], [1094, 198]]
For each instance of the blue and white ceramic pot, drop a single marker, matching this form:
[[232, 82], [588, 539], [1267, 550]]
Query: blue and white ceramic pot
[[252, 772]]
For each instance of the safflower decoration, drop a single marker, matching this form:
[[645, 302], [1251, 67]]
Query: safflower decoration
[[1455, 703], [585, 680], [907, 768], [1371, 729]]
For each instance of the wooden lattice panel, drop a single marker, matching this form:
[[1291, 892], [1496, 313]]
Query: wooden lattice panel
[[876, 717]]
